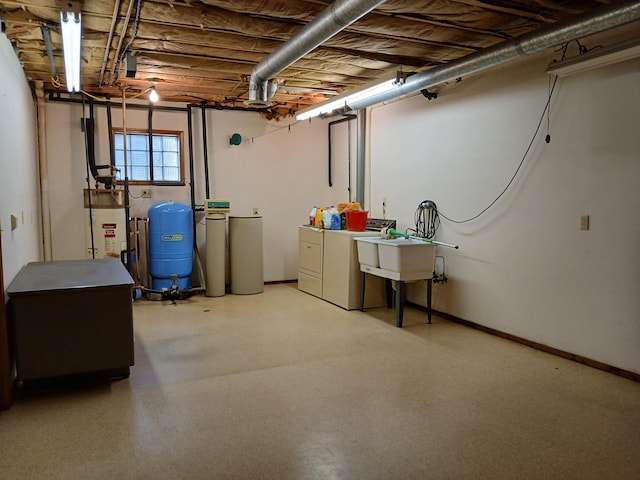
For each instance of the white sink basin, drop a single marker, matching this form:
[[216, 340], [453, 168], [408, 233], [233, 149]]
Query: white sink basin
[[404, 255], [368, 251]]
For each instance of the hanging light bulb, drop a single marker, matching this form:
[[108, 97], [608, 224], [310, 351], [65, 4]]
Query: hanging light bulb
[[153, 95]]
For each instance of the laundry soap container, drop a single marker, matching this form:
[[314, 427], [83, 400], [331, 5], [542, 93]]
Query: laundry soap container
[[245, 255]]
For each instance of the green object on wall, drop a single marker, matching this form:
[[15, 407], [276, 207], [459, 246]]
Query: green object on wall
[[236, 139]]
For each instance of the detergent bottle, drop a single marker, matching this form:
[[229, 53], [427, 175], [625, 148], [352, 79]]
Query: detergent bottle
[[318, 223], [326, 218], [312, 216], [336, 221]]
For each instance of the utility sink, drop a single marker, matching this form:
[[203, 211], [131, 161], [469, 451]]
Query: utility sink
[[403, 255]]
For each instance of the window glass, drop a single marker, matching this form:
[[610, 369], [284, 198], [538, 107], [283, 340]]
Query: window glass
[[167, 158]]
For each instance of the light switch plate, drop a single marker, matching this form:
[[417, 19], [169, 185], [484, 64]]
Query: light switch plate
[[584, 222]]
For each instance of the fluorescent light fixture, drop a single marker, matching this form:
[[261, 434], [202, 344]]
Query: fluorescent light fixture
[[345, 99], [153, 95], [71, 27], [595, 58]]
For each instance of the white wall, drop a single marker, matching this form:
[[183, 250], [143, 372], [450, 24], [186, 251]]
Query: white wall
[[280, 170], [525, 267], [19, 187]]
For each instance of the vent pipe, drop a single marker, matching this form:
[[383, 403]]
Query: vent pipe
[[595, 21], [330, 21]]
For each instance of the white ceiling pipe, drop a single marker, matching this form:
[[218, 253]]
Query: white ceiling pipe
[[595, 21], [333, 19]]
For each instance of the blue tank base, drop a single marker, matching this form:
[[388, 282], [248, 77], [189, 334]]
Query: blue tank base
[[159, 284]]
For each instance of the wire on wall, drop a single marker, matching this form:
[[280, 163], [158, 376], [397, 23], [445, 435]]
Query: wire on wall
[[277, 129], [526, 153]]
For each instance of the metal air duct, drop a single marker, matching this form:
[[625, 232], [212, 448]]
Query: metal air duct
[[595, 21], [330, 21]]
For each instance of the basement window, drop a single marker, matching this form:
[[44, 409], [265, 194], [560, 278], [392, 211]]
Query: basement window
[[167, 165]]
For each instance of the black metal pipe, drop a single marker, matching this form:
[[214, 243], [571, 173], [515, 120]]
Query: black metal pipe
[[204, 148], [89, 137], [127, 206], [127, 212], [347, 118], [55, 97], [92, 138], [112, 150], [86, 150], [191, 174], [150, 127]]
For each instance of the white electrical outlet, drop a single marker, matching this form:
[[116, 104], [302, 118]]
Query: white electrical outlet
[[146, 193]]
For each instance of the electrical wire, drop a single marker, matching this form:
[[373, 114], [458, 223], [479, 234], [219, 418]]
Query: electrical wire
[[526, 153], [58, 84], [277, 129]]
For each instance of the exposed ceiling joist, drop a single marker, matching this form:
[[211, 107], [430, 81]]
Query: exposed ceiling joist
[[204, 50]]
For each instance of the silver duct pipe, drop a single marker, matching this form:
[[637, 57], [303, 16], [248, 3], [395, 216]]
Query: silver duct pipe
[[598, 20], [330, 21]]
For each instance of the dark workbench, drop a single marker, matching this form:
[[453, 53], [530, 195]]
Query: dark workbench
[[72, 317]]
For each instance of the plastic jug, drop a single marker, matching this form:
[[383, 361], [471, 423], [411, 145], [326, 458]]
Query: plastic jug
[[326, 218], [312, 216], [336, 221], [318, 222]]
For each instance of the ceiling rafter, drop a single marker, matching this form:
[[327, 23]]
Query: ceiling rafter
[[205, 49]]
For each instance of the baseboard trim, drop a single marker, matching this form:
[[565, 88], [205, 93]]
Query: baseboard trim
[[276, 282], [539, 346]]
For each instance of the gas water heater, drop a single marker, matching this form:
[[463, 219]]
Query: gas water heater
[[105, 223]]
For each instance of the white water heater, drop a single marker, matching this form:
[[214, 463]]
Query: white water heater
[[105, 223]]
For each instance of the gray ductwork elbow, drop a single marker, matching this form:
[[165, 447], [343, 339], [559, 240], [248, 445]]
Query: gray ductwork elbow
[[335, 18]]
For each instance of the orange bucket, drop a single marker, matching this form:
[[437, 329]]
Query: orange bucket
[[357, 220]]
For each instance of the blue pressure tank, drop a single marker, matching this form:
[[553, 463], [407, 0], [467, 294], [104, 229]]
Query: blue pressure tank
[[170, 245]]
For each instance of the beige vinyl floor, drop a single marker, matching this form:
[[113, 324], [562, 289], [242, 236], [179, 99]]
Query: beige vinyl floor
[[282, 385]]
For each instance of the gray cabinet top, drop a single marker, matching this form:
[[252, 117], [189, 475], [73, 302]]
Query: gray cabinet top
[[69, 274]]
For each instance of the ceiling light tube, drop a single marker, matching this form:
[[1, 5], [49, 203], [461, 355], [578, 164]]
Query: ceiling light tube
[[71, 27], [321, 109], [345, 100], [595, 58]]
